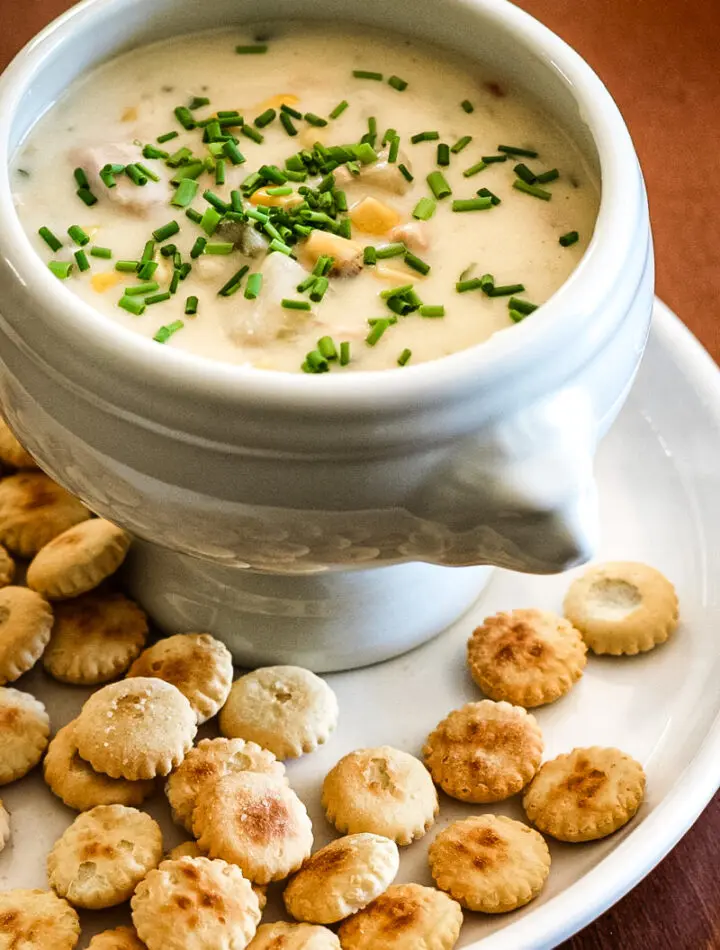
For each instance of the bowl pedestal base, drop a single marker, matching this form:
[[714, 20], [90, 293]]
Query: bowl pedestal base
[[325, 622]]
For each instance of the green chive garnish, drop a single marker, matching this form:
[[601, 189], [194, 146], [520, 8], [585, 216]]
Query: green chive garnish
[[295, 304], [506, 290], [424, 209], [280, 246], [326, 346], [494, 159], [461, 144], [158, 298], [191, 306], [233, 153], [389, 250], [82, 262], [198, 247], [319, 289], [167, 137], [394, 149], [316, 362], [148, 172], [404, 357], [166, 231], [431, 310], [412, 261], [516, 316], [85, 195], [251, 133], [147, 270], [164, 333], [220, 171], [253, 49], [287, 124], [572, 237], [290, 111], [197, 102], [127, 267], [216, 201], [425, 137], [522, 306], [194, 215], [406, 173], [467, 106], [133, 305], [316, 120], [525, 174], [78, 235], [472, 204], [396, 292], [265, 118], [439, 185], [139, 290], [210, 220], [253, 286], [379, 327], [220, 248], [364, 74], [61, 269], [369, 255], [181, 157], [185, 117], [279, 191], [53, 242], [366, 153], [487, 282], [486, 193], [308, 282], [232, 285], [474, 169], [344, 353], [397, 83], [443, 154], [186, 191], [148, 251], [103, 252], [547, 176], [474, 283], [513, 150], [533, 190], [339, 109], [81, 178]]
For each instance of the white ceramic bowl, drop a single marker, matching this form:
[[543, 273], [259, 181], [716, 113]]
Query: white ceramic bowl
[[259, 490]]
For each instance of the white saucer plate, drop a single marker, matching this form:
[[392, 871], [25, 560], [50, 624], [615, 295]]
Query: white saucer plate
[[659, 475]]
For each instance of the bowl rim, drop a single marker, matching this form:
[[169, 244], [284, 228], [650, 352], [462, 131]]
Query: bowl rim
[[479, 367]]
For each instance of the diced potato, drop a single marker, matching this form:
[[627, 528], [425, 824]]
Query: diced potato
[[373, 217], [259, 322], [261, 197], [381, 174], [347, 255], [104, 281], [414, 235]]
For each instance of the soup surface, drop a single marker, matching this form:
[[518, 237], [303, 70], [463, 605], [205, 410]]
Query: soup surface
[[304, 198]]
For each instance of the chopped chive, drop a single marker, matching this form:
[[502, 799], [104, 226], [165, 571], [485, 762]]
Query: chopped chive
[[474, 283], [61, 269], [185, 117], [236, 201], [394, 149], [572, 237], [326, 345], [506, 290], [233, 284], [339, 109], [468, 270], [319, 289], [127, 267], [280, 246], [406, 173], [389, 250], [255, 48], [316, 362], [82, 262], [147, 270], [164, 333], [138, 290], [133, 305], [424, 209], [524, 173], [486, 193], [344, 353], [85, 195], [279, 191], [194, 215], [379, 327], [396, 291], [251, 133], [533, 190], [220, 171], [78, 235], [265, 118], [230, 121], [287, 124], [461, 144], [233, 153], [295, 304], [412, 261], [186, 191], [210, 220], [148, 172], [191, 305], [494, 159], [467, 106], [197, 102], [366, 153], [198, 247], [227, 114], [516, 315], [253, 286], [522, 306], [487, 282], [288, 110], [397, 83], [103, 252], [404, 357], [174, 282], [148, 251], [188, 171], [364, 74], [472, 204], [431, 310], [340, 200], [308, 282], [107, 177], [521, 152], [443, 154], [547, 176], [81, 178], [315, 120], [216, 201], [158, 298], [369, 256], [166, 231], [219, 248], [439, 185], [181, 157], [474, 169], [53, 242], [425, 137], [167, 137]]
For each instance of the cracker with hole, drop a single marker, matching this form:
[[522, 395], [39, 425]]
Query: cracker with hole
[[24, 731], [33, 510]]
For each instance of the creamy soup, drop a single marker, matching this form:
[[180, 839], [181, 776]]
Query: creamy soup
[[304, 198]]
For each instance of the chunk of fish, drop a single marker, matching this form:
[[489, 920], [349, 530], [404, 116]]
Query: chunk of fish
[[380, 174], [413, 234], [135, 199]]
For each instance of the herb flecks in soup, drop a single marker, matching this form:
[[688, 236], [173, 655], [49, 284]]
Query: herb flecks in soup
[[382, 208]]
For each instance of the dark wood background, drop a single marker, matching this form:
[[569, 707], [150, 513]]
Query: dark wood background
[[660, 60]]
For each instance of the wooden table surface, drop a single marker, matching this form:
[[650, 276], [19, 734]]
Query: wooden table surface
[[659, 61]]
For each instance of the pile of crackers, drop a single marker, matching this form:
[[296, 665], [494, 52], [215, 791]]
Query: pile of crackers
[[248, 828]]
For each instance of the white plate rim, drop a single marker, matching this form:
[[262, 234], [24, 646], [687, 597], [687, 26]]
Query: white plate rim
[[643, 849]]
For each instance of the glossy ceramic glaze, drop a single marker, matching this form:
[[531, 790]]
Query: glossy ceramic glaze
[[484, 457]]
